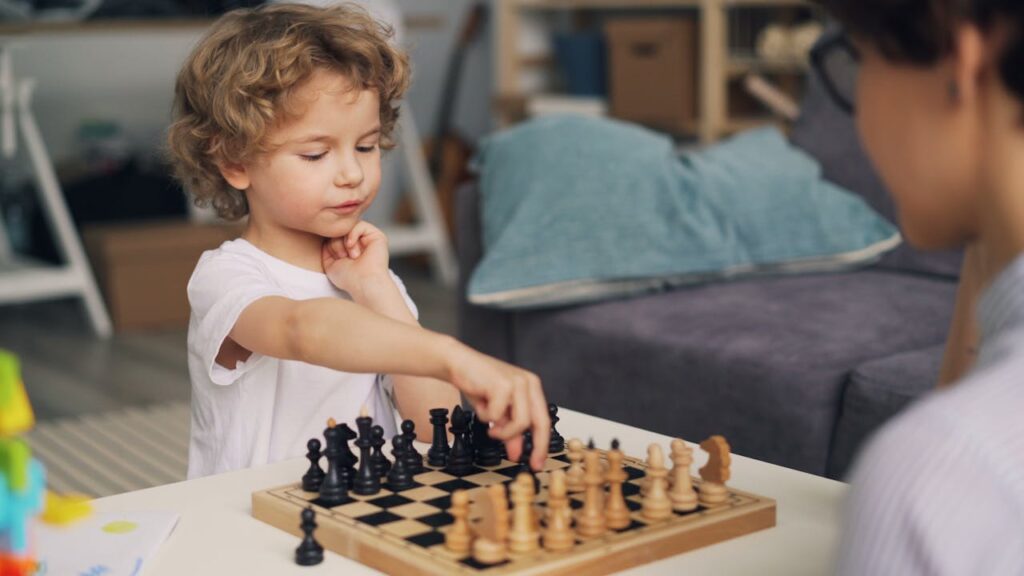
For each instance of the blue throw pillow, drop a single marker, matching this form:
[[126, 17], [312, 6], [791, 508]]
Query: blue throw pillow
[[579, 209]]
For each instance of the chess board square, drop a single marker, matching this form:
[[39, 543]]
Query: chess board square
[[433, 478], [510, 471], [469, 471], [412, 487], [379, 518], [630, 489], [319, 502], [485, 478], [553, 464], [455, 484], [633, 505], [427, 539], [389, 501], [406, 528], [633, 525], [413, 510], [694, 511], [634, 473], [364, 497], [437, 520], [472, 563], [443, 502], [424, 493], [575, 504], [355, 509], [562, 457]]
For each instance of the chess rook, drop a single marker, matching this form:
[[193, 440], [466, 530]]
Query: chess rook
[[437, 455]]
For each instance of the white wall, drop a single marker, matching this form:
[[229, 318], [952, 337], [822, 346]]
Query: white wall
[[128, 76]]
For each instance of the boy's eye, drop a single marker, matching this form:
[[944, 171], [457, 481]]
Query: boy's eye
[[313, 157], [366, 149]]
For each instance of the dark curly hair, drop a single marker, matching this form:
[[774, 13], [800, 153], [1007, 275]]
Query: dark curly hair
[[922, 31], [235, 86]]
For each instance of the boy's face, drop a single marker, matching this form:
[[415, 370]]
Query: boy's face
[[923, 143], [324, 168]]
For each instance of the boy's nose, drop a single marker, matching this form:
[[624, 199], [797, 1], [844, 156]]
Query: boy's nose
[[349, 174]]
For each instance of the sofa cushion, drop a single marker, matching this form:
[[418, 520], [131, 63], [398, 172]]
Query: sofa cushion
[[761, 361], [876, 391], [581, 209]]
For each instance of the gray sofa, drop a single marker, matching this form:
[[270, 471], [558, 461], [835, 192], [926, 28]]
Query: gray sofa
[[794, 370]]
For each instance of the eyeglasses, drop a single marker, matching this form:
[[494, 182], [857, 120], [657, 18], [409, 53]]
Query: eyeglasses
[[837, 62]]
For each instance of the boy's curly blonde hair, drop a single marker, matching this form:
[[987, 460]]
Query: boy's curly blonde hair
[[234, 87]]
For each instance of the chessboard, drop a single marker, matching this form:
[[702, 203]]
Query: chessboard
[[404, 532]]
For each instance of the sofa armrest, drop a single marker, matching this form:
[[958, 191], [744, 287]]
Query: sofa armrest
[[489, 331]]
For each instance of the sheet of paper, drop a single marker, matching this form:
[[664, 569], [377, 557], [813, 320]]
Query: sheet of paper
[[105, 544]]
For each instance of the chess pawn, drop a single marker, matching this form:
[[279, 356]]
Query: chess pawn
[[309, 552], [574, 476], [590, 521], [656, 504], [558, 535], [616, 513], [523, 537], [715, 473], [492, 530], [459, 539], [557, 443], [682, 494], [312, 479]]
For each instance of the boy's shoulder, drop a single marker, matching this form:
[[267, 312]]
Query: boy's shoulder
[[233, 261]]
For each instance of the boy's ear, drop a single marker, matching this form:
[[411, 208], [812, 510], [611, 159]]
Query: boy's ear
[[235, 174]]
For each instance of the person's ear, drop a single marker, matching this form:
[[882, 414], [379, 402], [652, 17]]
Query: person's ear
[[969, 60], [236, 175]]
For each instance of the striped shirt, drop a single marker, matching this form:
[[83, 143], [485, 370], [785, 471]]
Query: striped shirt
[[940, 489]]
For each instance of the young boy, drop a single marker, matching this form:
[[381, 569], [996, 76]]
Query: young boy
[[940, 107], [281, 113]]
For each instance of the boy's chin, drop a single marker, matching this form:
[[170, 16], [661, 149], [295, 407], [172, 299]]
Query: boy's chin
[[930, 237]]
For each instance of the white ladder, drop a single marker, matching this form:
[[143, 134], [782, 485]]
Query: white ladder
[[23, 279], [430, 234]]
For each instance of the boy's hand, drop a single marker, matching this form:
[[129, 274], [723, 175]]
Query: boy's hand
[[510, 397], [358, 255]]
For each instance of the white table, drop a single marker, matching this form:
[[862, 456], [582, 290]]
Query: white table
[[217, 534]]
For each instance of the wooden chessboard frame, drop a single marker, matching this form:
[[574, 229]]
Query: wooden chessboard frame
[[745, 513]]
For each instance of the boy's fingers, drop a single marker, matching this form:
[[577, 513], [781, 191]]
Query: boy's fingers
[[514, 447], [541, 424]]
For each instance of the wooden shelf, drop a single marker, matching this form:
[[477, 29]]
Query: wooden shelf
[[741, 66]]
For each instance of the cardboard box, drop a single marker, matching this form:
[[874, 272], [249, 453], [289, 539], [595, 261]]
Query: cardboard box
[[653, 71], [143, 268]]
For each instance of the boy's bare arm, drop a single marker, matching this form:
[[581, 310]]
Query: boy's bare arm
[[414, 395], [341, 335]]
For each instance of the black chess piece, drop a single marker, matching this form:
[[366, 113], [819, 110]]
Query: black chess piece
[[312, 479], [557, 443], [460, 459], [381, 465], [399, 478], [413, 458], [333, 491], [309, 552], [486, 450], [367, 481], [437, 456], [348, 460], [524, 460]]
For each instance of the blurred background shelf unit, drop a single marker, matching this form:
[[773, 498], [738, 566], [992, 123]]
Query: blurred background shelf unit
[[697, 54]]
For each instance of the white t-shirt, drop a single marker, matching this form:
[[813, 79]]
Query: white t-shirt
[[265, 409]]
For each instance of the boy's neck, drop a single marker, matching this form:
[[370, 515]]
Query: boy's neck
[[295, 247]]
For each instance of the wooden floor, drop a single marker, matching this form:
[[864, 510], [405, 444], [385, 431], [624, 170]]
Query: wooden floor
[[87, 393]]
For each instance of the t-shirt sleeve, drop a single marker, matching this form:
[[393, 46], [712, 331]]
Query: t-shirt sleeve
[[405, 294], [221, 287]]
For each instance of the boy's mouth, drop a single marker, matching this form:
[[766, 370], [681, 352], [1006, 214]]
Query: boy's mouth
[[348, 207]]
